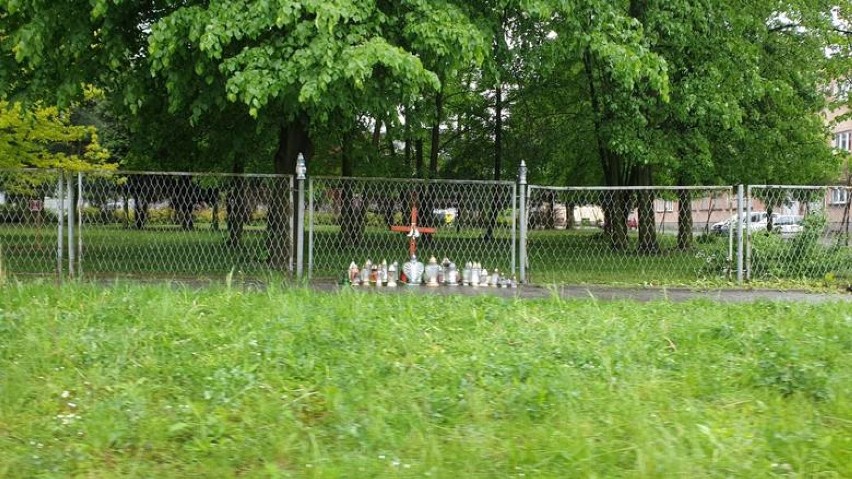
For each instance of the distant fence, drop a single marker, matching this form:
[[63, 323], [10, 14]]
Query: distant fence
[[192, 225], [661, 234]]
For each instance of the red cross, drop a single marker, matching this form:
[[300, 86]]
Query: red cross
[[413, 231]]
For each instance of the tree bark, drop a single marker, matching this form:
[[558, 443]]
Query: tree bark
[[496, 204], [352, 211], [684, 220], [648, 243], [292, 140], [184, 201], [418, 158], [237, 213]]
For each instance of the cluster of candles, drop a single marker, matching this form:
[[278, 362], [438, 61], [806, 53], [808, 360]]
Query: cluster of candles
[[415, 273]]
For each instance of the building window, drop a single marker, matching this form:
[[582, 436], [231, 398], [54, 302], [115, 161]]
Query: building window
[[843, 141], [665, 205], [839, 196]]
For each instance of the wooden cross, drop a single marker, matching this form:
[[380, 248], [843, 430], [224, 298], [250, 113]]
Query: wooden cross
[[413, 232]]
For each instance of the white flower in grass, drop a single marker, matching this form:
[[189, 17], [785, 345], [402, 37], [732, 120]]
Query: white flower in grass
[[65, 394]]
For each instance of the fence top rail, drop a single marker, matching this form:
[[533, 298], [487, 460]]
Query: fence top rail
[[187, 173], [413, 180], [797, 187], [631, 188], [145, 173]]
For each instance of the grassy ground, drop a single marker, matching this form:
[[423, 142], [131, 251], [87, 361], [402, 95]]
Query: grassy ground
[[574, 257], [152, 382]]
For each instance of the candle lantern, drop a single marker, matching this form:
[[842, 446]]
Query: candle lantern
[[383, 273], [445, 271], [474, 275], [433, 269], [365, 273], [484, 278], [466, 273], [354, 274], [413, 270], [452, 275], [374, 274], [393, 272]]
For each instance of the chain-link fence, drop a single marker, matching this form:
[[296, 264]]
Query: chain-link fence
[[798, 232], [107, 224], [32, 214], [356, 219], [630, 235], [158, 224], [145, 224]]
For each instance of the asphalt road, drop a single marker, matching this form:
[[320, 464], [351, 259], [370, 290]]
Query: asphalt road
[[605, 293]]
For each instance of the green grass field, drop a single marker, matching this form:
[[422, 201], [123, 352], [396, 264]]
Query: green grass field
[[576, 257], [131, 381]]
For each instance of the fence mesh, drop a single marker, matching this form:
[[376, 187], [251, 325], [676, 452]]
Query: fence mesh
[[189, 225], [185, 224], [30, 209], [631, 235], [356, 219], [799, 233]]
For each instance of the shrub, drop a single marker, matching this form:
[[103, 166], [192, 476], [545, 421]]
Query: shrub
[[19, 214], [205, 215], [799, 257]]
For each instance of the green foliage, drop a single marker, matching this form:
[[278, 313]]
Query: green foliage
[[802, 256], [43, 137], [20, 213]]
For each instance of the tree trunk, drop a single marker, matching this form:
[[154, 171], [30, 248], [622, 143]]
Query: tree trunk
[[648, 243], [237, 213], [497, 203], [616, 209], [352, 212], [126, 207], [427, 201], [292, 139], [184, 201], [214, 221], [570, 222], [684, 220], [409, 157], [418, 158], [436, 134], [769, 209], [140, 212]]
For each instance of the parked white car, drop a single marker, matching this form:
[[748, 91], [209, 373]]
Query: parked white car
[[787, 225], [756, 220]]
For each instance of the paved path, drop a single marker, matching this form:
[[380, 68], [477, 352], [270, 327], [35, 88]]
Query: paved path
[[607, 293]]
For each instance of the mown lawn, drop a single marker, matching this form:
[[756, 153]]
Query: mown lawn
[[132, 381], [554, 256]]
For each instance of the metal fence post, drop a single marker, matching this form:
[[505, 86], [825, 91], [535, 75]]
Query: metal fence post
[[310, 228], [72, 206], [300, 225], [740, 193], [60, 237], [522, 190], [80, 206], [747, 261], [514, 227]]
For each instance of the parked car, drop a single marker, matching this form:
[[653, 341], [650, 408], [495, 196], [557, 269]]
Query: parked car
[[787, 225], [756, 220]]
